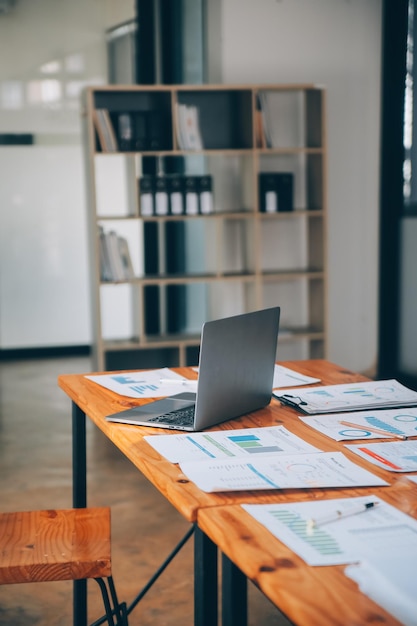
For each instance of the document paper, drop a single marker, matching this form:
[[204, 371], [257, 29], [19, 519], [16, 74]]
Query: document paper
[[229, 444], [341, 541], [387, 570], [163, 382], [392, 421], [348, 397], [299, 471], [394, 456], [144, 384]]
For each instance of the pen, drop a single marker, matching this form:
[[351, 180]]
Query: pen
[[336, 515], [377, 431]]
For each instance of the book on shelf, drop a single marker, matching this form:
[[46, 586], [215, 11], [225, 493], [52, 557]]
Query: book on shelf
[[146, 195], [175, 194], [268, 196], [205, 194], [140, 138], [105, 131], [126, 259], [260, 139], [115, 260], [105, 263], [161, 196], [191, 195], [188, 127], [276, 190], [157, 135], [125, 132], [265, 115], [139, 131]]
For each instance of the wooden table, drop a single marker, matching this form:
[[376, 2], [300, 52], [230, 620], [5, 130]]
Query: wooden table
[[307, 596], [94, 401]]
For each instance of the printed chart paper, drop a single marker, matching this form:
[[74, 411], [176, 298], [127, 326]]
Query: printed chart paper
[[375, 394], [341, 541], [398, 456], [164, 382], [144, 384], [393, 421], [300, 471], [286, 377], [228, 444]]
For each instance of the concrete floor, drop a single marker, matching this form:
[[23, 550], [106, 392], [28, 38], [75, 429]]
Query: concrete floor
[[35, 473]]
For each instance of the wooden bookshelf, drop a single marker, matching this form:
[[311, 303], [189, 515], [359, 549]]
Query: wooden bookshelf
[[260, 242]]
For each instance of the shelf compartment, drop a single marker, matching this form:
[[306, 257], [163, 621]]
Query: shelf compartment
[[114, 184], [196, 249], [306, 170], [120, 314], [292, 117], [142, 120], [225, 117], [284, 246]]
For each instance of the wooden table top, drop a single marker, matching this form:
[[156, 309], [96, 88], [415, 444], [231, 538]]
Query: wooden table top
[[308, 596], [97, 402]]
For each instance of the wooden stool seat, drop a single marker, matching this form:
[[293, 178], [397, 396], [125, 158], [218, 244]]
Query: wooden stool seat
[[53, 545]]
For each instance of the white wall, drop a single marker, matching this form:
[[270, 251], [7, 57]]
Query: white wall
[[335, 43], [49, 49]]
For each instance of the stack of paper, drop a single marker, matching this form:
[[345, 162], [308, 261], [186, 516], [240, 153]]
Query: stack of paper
[[388, 577], [378, 544], [348, 397]]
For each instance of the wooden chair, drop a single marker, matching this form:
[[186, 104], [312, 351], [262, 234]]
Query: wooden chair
[[69, 544]]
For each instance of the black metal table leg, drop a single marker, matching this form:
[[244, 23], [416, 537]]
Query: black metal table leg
[[79, 501], [205, 580], [234, 594]]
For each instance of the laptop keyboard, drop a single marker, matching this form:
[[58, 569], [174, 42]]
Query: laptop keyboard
[[183, 417]]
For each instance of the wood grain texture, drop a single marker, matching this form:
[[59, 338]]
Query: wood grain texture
[[97, 402], [308, 596], [52, 545]]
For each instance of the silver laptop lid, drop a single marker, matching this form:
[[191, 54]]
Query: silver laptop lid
[[236, 368]]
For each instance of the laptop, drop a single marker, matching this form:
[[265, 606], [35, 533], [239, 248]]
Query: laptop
[[236, 371]]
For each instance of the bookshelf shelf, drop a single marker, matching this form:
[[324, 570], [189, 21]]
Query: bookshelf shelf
[[229, 241]]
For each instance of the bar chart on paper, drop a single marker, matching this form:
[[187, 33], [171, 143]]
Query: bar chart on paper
[[318, 539], [252, 444], [362, 424], [143, 384], [229, 444], [341, 539]]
